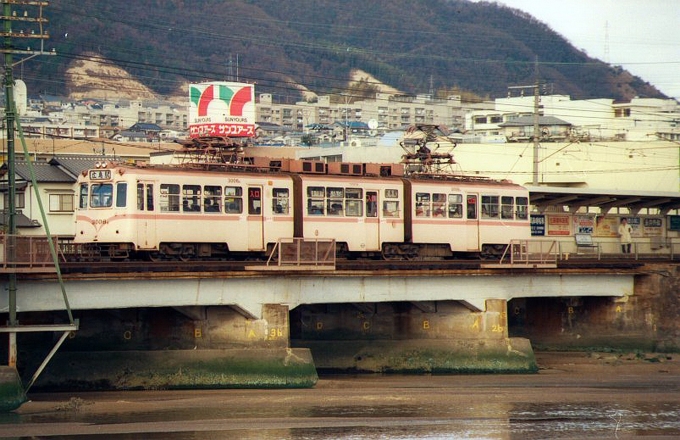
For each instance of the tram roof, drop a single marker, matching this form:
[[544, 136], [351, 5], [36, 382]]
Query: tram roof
[[546, 196]]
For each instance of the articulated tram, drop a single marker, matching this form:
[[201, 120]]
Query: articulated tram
[[158, 212]]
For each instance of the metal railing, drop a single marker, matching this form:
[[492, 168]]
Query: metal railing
[[300, 252], [25, 253], [531, 253]]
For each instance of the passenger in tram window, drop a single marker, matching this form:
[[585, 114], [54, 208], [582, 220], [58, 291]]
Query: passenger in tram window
[[335, 209], [625, 231], [420, 212]]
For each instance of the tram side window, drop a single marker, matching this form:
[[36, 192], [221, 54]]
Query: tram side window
[[280, 201], [438, 205], [191, 198], [354, 202], [212, 198], [522, 204], [423, 208], [144, 197], [149, 197], [315, 199], [169, 198], [507, 207], [233, 199], [140, 197], [489, 206], [101, 195], [82, 204], [455, 205], [254, 201], [471, 206], [121, 195], [335, 201], [371, 204], [391, 207]]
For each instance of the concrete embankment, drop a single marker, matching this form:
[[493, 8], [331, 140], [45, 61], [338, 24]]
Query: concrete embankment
[[180, 369]]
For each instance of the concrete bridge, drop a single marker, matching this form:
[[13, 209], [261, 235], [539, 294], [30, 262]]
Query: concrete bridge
[[255, 328]]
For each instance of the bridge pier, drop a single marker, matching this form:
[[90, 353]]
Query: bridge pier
[[415, 337], [173, 348]]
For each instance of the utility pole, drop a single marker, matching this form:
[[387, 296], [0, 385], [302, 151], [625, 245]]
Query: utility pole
[[536, 137], [536, 128], [30, 28]]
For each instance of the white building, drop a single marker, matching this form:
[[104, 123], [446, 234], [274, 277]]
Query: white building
[[641, 119]]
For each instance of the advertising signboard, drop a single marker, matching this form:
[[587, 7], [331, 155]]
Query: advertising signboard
[[222, 109], [559, 224], [537, 225]]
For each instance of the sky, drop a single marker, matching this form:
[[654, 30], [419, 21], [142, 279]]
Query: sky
[[643, 36]]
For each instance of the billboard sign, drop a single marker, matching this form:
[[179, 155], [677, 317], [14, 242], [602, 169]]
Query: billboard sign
[[222, 109]]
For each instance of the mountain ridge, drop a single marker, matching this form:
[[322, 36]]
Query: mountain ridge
[[421, 46]]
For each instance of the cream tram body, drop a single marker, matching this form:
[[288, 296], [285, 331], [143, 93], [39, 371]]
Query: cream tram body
[[184, 213], [360, 213], [450, 216]]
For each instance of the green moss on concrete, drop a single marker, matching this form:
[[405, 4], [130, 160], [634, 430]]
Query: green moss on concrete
[[513, 355], [177, 369], [12, 394]]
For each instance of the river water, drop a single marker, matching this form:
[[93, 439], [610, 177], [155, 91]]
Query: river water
[[575, 397]]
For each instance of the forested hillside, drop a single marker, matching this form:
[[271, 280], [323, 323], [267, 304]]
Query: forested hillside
[[416, 46]]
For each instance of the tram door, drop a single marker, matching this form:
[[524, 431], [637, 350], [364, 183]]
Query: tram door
[[372, 226], [146, 210], [255, 219], [472, 222]]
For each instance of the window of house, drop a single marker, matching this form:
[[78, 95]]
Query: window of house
[[61, 202]]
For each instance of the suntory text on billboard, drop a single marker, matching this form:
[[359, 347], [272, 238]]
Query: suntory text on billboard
[[225, 109]]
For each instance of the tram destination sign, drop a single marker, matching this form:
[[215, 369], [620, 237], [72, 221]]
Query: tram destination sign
[[100, 174]]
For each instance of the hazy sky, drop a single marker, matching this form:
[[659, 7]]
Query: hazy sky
[[643, 35]]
